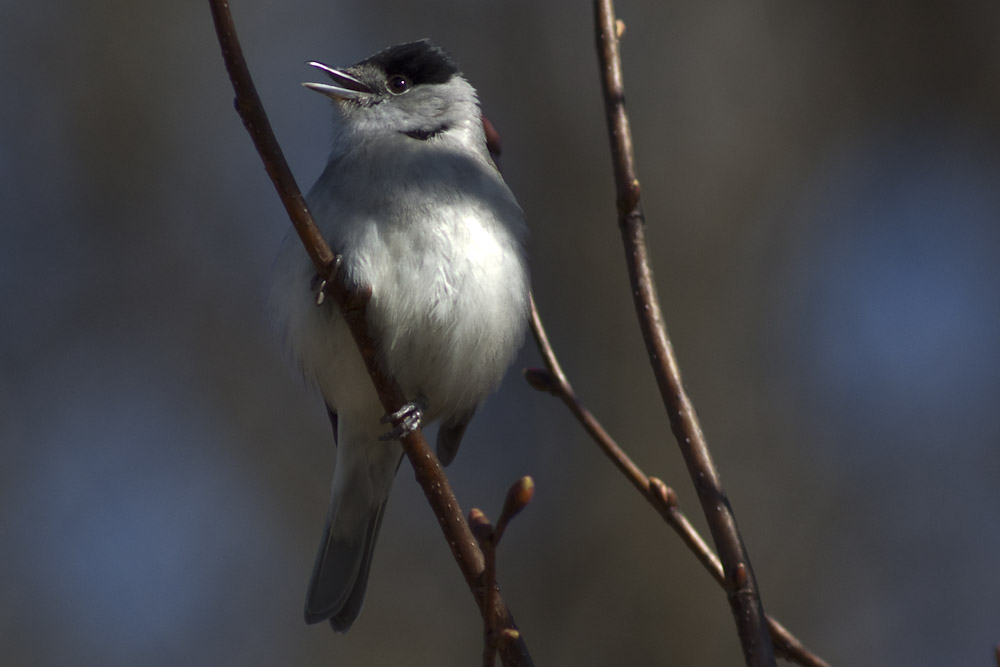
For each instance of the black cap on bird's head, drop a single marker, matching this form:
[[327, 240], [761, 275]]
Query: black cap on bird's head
[[420, 61], [392, 71], [413, 89]]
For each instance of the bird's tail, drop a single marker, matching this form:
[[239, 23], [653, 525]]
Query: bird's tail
[[357, 503]]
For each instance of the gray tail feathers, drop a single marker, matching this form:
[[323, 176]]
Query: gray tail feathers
[[340, 575], [450, 437]]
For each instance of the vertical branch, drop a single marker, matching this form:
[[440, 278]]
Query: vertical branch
[[351, 303], [496, 634], [741, 587], [482, 529]]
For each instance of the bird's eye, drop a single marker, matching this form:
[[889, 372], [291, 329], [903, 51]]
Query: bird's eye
[[397, 84]]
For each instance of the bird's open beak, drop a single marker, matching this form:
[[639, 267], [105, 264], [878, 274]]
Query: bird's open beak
[[346, 86]]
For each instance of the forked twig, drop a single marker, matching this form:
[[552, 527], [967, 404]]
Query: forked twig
[[495, 634], [352, 305], [738, 579], [663, 499]]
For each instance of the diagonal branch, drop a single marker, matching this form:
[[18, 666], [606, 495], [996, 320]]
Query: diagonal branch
[[352, 305], [740, 584], [663, 499]]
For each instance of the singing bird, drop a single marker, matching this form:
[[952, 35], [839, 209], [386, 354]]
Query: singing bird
[[419, 213]]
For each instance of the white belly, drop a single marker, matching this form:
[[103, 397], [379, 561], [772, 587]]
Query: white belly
[[448, 309]]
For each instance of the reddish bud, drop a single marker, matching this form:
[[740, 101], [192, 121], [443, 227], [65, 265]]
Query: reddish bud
[[481, 527], [506, 637], [662, 493], [520, 494]]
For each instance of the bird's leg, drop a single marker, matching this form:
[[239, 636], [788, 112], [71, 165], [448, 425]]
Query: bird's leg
[[405, 420]]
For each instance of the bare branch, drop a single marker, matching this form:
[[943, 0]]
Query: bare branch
[[352, 305], [495, 634], [740, 584], [553, 381]]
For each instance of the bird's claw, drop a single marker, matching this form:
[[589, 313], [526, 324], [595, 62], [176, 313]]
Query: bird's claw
[[319, 283], [404, 421], [319, 290]]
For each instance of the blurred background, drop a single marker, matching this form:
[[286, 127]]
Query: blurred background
[[820, 185]]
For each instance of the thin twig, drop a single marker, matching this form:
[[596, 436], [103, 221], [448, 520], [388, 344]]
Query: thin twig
[[553, 380], [483, 531], [352, 305], [662, 497], [740, 584], [518, 497]]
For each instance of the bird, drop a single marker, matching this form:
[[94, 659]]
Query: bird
[[420, 215]]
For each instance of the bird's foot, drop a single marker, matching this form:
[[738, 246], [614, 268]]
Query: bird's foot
[[404, 421]]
